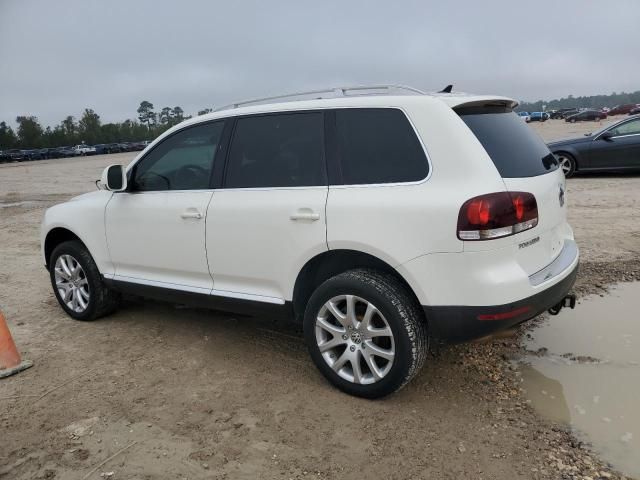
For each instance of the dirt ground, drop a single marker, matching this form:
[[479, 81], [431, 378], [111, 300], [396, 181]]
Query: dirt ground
[[160, 391]]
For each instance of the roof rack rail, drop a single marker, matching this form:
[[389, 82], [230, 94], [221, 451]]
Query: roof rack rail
[[333, 93]]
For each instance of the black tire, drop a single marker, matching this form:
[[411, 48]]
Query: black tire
[[572, 120], [102, 301], [402, 313]]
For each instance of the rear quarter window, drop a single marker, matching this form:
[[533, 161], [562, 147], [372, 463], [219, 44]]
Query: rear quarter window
[[378, 145], [514, 148]]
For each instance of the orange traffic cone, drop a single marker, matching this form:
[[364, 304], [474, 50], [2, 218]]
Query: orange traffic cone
[[9, 357]]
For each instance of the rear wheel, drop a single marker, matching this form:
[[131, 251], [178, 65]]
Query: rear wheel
[[77, 283], [365, 333], [567, 164]]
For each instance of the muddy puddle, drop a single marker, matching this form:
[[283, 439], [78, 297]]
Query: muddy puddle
[[584, 371]]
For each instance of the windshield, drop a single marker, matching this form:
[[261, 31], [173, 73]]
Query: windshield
[[515, 149]]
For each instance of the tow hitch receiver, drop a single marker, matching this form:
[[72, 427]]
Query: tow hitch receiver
[[568, 301]]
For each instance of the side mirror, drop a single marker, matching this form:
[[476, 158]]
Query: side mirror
[[114, 178], [608, 135]]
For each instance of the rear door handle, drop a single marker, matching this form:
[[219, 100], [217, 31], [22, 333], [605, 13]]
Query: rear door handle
[[305, 214], [191, 213]]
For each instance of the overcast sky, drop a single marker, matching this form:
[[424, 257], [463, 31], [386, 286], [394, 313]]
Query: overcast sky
[[58, 57]]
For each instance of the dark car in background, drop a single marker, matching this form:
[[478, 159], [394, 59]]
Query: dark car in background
[[108, 148], [15, 155], [101, 148], [137, 146], [559, 114], [66, 152], [126, 147], [622, 109], [538, 117], [34, 154], [55, 152], [613, 148], [635, 111], [586, 115], [45, 153]]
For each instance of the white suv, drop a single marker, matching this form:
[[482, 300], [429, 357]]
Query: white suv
[[379, 221], [84, 150]]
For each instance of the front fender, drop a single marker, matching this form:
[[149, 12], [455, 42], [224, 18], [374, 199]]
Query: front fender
[[83, 216]]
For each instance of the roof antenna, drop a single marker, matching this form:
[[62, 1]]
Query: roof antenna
[[446, 89]]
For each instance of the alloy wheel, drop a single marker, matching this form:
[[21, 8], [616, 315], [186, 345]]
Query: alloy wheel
[[355, 339], [72, 283], [565, 164]]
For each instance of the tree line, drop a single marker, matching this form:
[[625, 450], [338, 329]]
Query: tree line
[[592, 101], [89, 128]]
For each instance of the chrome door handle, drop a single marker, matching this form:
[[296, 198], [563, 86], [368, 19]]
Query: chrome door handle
[[191, 214], [305, 216]]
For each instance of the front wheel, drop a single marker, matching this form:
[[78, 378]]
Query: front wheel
[[77, 283], [365, 333]]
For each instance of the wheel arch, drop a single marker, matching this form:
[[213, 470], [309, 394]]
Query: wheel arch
[[333, 262], [55, 237]]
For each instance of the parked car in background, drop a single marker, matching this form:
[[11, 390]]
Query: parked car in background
[[539, 117], [586, 115], [55, 152], [568, 113], [83, 149], [371, 286], [615, 147], [15, 155], [101, 148], [34, 154], [46, 153], [559, 113], [137, 146], [622, 109], [526, 116], [635, 111], [120, 147], [66, 152], [4, 156]]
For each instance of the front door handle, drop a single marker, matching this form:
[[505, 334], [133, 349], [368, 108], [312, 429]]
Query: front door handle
[[305, 214], [191, 213]]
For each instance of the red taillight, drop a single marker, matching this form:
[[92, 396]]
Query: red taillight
[[497, 215], [518, 204], [479, 212]]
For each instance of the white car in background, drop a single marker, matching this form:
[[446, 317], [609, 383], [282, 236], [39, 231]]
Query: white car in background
[[526, 116], [84, 150], [378, 221]]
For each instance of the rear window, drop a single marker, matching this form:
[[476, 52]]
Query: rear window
[[378, 145], [515, 149]]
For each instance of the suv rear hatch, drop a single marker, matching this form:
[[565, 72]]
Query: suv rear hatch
[[525, 165]]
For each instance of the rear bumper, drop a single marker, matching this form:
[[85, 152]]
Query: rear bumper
[[462, 323]]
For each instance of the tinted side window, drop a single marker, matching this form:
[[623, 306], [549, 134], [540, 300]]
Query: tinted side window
[[181, 162], [378, 145], [281, 150]]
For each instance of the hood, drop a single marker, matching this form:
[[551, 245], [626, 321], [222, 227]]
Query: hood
[[87, 195], [570, 141]]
